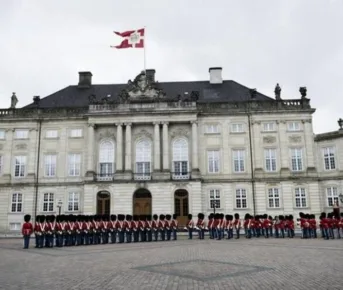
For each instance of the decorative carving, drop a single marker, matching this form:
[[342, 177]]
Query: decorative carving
[[294, 139], [277, 92], [106, 133], [143, 133], [269, 139], [179, 132], [181, 184], [92, 100], [21, 147], [306, 121], [14, 101], [303, 92]]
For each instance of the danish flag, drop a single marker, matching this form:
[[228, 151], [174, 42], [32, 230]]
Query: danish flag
[[132, 39]]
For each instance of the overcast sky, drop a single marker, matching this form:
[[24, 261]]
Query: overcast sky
[[44, 44]]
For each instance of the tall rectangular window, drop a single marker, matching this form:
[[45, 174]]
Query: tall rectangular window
[[241, 198], [213, 161], [268, 127], [294, 126], [2, 134], [214, 198], [73, 201], [48, 202], [329, 158], [270, 159], [297, 159], [74, 164], [1, 164], [212, 129], [76, 133], [21, 134], [237, 128], [300, 197], [51, 134], [17, 202], [50, 165], [331, 195], [273, 198], [19, 166], [238, 160]]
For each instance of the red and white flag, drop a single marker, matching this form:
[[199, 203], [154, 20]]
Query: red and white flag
[[132, 39]]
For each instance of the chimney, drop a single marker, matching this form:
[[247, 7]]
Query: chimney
[[150, 75], [85, 79], [215, 75]]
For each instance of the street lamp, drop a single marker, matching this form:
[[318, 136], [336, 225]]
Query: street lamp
[[340, 123], [59, 205]]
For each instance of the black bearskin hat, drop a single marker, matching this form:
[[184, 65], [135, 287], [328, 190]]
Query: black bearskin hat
[[230, 217], [42, 218], [135, 218], [155, 217], [210, 216], [302, 215], [127, 217], [290, 217], [236, 216], [190, 216], [149, 217], [27, 218], [113, 217], [162, 217], [52, 218], [247, 216], [227, 217], [168, 217], [265, 216], [174, 216]]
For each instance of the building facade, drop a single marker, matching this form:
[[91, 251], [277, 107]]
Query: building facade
[[181, 147]]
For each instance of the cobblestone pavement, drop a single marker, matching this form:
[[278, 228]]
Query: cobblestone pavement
[[244, 264]]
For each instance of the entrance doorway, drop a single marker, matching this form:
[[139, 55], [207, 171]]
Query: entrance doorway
[[181, 206], [142, 202], [103, 203]]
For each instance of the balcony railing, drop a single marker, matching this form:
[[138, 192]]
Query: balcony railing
[[180, 175], [104, 177], [142, 176]]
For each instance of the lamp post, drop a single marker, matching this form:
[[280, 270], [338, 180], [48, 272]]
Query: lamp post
[[59, 205], [340, 123]]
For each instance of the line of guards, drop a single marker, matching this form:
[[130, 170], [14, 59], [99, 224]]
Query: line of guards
[[76, 230]]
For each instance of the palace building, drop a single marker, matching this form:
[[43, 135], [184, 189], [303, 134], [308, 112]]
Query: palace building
[[150, 147]]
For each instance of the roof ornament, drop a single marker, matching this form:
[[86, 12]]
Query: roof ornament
[[253, 93], [277, 92], [14, 101], [36, 100], [303, 92]]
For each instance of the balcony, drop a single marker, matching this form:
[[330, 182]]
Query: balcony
[[142, 176], [180, 175], [104, 177]]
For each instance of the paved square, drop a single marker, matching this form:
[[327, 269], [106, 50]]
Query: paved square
[[202, 270], [239, 264]]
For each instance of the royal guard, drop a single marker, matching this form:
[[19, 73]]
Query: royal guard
[[128, 228], [168, 224], [336, 228], [135, 229], [237, 225], [88, 230], [148, 228], [291, 226], [270, 218], [51, 228], [174, 226], [210, 226], [78, 230], [340, 226], [35, 228], [42, 226], [121, 228], [105, 229], [71, 230], [27, 230], [162, 227], [59, 231], [277, 226], [190, 226], [113, 228], [302, 225], [201, 226], [229, 226], [155, 227], [220, 226], [330, 223], [96, 230], [313, 226], [247, 226], [282, 226], [215, 225], [142, 227], [265, 226], [324, 224]]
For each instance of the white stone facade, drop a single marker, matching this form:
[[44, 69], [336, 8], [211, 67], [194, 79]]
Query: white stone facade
[[235, 161]]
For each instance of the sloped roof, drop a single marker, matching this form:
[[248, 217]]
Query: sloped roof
[[228, 91]]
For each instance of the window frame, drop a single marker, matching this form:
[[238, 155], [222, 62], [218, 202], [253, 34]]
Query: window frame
[[50, 171], [71, 135], [291, 126], [1, 164], [235, 128], [298, 169], [273, 194], [266, 127], [215, 201], [300, 197], [48, 202], [106, 164], [241, 153], [326, 150], [51, 137], [243, 196], [2, 133], [334, 195], [17, 135], [22, 166], [75, 166], [16, 202], [75, 200], [269, 159], [180, 158], [212, 160], [214, 129]]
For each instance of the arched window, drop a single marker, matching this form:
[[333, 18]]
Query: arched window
[[180, 159], [106, 159], [143, 159]]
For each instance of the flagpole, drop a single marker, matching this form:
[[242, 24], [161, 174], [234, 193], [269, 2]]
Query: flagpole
[[144, 50]]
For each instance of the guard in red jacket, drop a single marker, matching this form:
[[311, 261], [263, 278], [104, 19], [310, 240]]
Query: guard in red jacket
[[155, 227], [27, 230], [149, 228], [174, 225], [201, 226], [210, 226], [237, 225], [162, 227], [135, 229], [190, 226], [142, 227]]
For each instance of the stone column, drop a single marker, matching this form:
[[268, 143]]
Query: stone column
[[128, 147], [8, 159], [309, 144], [283, 145], [157, 152], [195, 165], [119, 149], [165, 147], [90, 147]]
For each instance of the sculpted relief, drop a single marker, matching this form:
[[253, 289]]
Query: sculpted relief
[[295, 139], [269, 139]]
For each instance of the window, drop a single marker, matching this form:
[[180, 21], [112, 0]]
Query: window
[[294, 126], [15, 226], [331, 195], [21, 134], [106, 159], [241, 198], [48, 202], [238, 160], [237, 128], [2, 134], [76, 133], [51, 134], [19, 166], [214, 198], [300, 197], [1, 164], [143, 159], [17, 202], [213, 161], [268, 127], [270, 159], [297, 159], [273, 198], [50, 165], [329, 158], [74, 164], [180, 158], [74, 201], [212, 129]]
